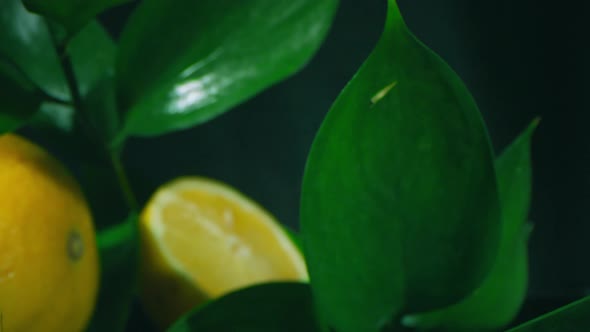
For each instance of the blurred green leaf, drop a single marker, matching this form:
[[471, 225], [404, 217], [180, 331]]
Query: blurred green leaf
[[93, 52], [93, 55], [26, 43], [574, 317], [118, 247], [72, 14], [274, 307], [514, 176], [51, 115], [184, 62], [399, 205], [18, 98], [497, 301]]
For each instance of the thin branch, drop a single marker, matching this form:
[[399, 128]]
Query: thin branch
[[82, 118], [124, 182]]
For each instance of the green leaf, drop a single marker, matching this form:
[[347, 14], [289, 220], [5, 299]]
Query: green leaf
[[93, 55], [18, 98], [26, 45], [72, 14], [574, 317], [274, 307], [25, 42], [93, 58], [399, 205], [497, 301], [54, 116], [513, 172], [184, 62], [119, 258]]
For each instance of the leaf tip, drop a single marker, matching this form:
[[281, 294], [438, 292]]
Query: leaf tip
[[535, 123], [527, 134], [530, 130], [394, 16]]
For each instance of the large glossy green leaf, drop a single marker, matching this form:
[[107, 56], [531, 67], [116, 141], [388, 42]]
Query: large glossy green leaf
[[184, 62], [497, 301], [72, 14], [19, 99], [574, 317], [275, 307], [26, 43], [399, 206], [118, 256]]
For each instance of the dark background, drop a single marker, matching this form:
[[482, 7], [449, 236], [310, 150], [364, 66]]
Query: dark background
[[520, 59]]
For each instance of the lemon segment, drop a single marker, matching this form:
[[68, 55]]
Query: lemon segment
[[203, 233]]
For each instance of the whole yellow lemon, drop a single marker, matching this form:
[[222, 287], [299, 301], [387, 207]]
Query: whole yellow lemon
[[48, 256]]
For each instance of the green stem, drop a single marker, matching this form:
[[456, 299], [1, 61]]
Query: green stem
[[68, 69], [124, 182], [82, 119]]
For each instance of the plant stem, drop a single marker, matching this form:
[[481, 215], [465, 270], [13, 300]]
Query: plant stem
[[66, 64], [65, 61], [124, 182], [82, 119]]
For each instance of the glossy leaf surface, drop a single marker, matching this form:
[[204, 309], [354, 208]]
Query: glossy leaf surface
[[26, 45], [574, 317], [72, 14], [497, 301], [184, 62], [25, 42], [118, 256], [275, 307], [399, 208]]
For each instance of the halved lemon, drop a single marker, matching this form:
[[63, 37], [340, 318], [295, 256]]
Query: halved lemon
[[202, 239]]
